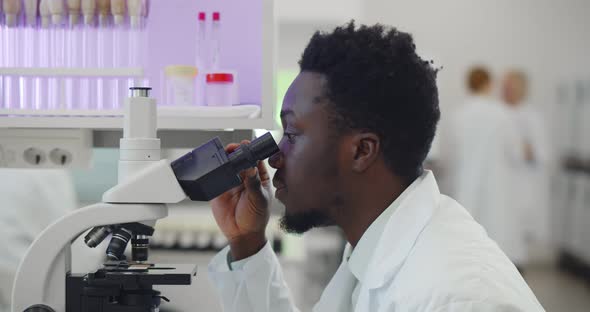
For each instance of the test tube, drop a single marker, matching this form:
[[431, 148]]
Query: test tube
[[29, 47], [89, 60], [10, 86], [86, 57], [72, 42], [215, 32], [134, 9], [18, 42], [104, 9], [200, 58], [58, 14], [11, 9], [118, 85], [52, 84], [43, 55]]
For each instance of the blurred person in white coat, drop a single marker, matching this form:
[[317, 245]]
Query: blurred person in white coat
[[358, 122], [30, 200], [482, 154], [533, 173]]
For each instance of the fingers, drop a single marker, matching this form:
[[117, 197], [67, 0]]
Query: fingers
[[252, 181], [230, 148], [263, 172], [249, 173]]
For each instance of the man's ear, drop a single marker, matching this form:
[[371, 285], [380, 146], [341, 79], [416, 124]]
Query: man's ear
[[366, 150]]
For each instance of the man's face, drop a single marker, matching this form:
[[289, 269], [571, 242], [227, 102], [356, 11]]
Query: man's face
[[513, 90], [308, 166]]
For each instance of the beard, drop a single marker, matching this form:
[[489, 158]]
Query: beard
[[300, 223]]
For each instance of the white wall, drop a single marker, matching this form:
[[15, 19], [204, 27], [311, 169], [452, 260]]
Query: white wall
[[546, 38], [317, 10]]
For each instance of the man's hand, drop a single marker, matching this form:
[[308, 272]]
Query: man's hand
[[242, 213]]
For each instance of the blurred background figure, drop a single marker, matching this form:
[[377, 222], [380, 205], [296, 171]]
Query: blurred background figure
[[531, 187], [30, 200], [483, 152]]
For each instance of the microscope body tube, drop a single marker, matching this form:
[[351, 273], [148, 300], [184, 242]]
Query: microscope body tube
[[139, 146]]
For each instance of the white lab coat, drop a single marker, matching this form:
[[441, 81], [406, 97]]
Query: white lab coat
[[432, 256], [483, 152], [29, 201], [533, 187]]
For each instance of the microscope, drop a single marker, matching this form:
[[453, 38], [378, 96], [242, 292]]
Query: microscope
[[128, 212]]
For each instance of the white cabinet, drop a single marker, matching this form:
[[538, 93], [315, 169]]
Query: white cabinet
[[572, 208]]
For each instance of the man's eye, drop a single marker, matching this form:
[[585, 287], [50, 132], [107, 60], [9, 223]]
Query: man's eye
[[290, 137]]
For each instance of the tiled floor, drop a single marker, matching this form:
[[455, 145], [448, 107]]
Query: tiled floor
[[558, 291]]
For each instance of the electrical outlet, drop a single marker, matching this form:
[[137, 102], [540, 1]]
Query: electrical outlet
[[34, 156], [46, 148], [60, 157]]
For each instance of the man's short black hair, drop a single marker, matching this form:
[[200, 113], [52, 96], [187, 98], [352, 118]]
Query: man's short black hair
[[376, 82]]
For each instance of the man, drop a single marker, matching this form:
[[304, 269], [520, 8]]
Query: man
[[533, 172], [484, 152], [359, 120]]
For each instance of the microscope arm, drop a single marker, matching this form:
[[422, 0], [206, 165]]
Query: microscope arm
[[142, 197]]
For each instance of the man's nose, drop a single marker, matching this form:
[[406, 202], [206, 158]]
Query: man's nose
[[276, 160]]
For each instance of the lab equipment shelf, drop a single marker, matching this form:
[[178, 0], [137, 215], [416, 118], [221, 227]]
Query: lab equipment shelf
[[72, 72], [169, 118], [246, 43]]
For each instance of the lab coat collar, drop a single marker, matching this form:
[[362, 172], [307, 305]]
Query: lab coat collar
[[402, 231], [359, 258]]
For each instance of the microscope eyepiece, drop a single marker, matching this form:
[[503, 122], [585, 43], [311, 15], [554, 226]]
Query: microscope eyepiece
[[247, 155], [264, 146]]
